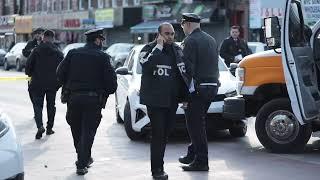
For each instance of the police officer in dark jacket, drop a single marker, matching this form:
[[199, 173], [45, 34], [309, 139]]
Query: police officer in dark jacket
[[87, 74], [162, 87], [200, 49], [41, 67], [233, 49]]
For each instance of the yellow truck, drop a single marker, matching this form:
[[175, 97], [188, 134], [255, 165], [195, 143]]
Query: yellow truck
[[281, 87]]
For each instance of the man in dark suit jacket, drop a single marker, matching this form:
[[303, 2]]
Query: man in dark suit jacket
[[233, 49]]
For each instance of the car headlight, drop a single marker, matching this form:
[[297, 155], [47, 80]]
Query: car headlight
[[240, 74], [4, 128]]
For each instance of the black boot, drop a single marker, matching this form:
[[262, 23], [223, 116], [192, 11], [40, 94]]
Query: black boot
[[197, 165], [186, 159], [49, 131], [40, 132], [82, 171], [159, 174], [90, 161]]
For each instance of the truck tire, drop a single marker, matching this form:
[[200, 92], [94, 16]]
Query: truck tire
[[128, 125], [238, 130], [278, 130]]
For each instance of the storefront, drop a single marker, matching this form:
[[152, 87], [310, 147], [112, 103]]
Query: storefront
[[259, 10], [7, 35], [23, 28]]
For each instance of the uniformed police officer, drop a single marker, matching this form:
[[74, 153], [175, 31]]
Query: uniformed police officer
[[162, 87], [200, 49], [233, 49], [87, 74]]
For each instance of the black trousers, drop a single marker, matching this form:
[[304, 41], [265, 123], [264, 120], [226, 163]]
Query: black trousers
[[195, 113], [83, 116], [162, 123], [37, 98]]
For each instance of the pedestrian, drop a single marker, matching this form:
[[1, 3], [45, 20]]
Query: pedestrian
[[200, 49], [86, 73], [37, 38], [162, 88], [233, 49], [41, 67]]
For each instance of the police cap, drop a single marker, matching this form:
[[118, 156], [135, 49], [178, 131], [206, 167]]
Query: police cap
[[191, 17], [95, 33], [38, 30]]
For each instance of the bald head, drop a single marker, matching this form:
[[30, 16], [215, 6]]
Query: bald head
[[167, 32]]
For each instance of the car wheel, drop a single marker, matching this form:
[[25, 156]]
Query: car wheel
[[278, 129], [6, 65], [118, 117], [239, 129], [18, 65], [128, 124]]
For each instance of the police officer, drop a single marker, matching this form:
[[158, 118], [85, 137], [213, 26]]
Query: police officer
[[162, 87], [233, 49], [41, 67], [200, 49], [87, 74], [37, 38]]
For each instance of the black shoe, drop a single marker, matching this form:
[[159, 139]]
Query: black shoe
[[196, 166], [186, 159], [49, 131], [40, 132], [82, 171], [90, 161], [159, 174]]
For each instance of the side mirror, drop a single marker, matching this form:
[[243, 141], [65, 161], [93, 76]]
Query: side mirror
[[272, 32], [123, 71]]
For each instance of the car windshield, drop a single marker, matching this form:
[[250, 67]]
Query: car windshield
[[125, 48], [72, 46], [253, 48], [222, 66]]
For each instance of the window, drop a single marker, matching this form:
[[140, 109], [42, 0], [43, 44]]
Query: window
[[54, 5], [126, 63], [83, 4], [70, 4], [93, 4], [101, 3], [44, 5]]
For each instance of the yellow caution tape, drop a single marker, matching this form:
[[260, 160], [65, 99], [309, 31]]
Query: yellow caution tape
[[14, 78]]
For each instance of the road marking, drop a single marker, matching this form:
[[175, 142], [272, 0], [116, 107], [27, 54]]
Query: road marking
[[14, 78]]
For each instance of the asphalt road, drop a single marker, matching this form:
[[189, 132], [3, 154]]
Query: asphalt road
[[116, 157]]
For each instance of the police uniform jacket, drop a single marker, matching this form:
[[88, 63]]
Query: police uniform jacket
[[41, 67], [200, 50], [87, 69], [230, 48], [164, 75]]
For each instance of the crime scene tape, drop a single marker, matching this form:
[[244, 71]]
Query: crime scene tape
[[17, 78]]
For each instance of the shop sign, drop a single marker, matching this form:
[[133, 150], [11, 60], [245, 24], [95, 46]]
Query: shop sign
[[104, 17], [48, 21], [149, 12], [268, 12], [312, 11], [6, 20], [74, 20], [23, 24]]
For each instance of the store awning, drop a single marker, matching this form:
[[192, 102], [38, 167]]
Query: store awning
[[148, 27]]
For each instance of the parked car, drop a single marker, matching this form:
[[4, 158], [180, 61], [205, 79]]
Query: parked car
[[134, 115], [71, 46], [14, 57], [257, 47], [119, 53], [11, 160], [2, 54]]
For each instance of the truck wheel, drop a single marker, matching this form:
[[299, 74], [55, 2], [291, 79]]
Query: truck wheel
[[238, 130], [128, 125], [278, 129], [118, 117]]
